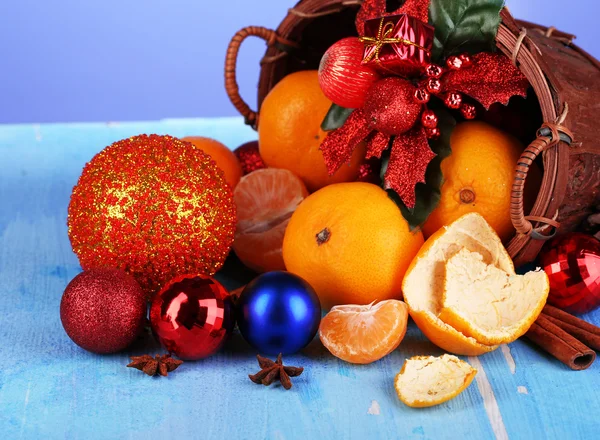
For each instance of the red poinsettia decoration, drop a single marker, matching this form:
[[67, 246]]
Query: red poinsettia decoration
[[395, 110]]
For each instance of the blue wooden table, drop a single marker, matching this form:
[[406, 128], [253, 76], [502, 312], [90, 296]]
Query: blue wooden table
[[50, 388]]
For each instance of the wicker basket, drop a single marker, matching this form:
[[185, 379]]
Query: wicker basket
[[566, 81]]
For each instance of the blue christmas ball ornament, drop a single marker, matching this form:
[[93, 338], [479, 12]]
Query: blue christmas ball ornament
[[278, 312]]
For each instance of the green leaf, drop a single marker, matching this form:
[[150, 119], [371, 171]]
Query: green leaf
[[464, 26], [335, 118], [428, 194]]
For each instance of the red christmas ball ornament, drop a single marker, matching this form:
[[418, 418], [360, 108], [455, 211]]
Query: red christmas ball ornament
[[342, 76], [434, 86], [429, 119], [572, 263], [103, 310], [390, 106], [454, 63], [453, 100], [422, 96], [249, 157], [154, 206], [434, 71], [468, 110], [192, 316]]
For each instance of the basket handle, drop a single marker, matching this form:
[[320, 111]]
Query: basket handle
[[549, 135], [231, 85]]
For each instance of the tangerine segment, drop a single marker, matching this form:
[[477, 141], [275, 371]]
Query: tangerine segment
[[364, 334], [423, 284], [489, 304], [428, 380], [265, 201]]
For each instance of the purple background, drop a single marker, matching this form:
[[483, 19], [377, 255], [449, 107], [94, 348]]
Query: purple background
[[100, 60]]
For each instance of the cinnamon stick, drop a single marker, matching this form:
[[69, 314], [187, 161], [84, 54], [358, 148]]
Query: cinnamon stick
[[587, 333], [560, 344]]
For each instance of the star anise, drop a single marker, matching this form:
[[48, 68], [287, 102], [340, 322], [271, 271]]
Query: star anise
[[271, 371], [158, 364]]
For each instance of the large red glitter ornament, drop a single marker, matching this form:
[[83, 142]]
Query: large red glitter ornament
[[103, 310], [390, 107], [249, 157], [342, 76], [572, 262], [192, 316], [154, 206]]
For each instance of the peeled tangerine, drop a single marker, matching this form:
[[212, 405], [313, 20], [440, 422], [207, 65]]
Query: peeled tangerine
[[488, 304], [462, 291], [364, 334], [428, 380]]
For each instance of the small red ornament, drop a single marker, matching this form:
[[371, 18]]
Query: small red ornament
[[154, 206], [369, 172], [103, 310], [390, 107], [434, 86], [422, 96], [434, 71], [468, 110], [429, 119], [433, 133], [466, 59], [343, 77], [249, 157], [453, 100], [192, 316], [572, 263], [454, 63]]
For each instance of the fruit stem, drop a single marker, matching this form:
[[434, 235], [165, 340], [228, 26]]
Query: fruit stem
[[323, 236], [467, 195]]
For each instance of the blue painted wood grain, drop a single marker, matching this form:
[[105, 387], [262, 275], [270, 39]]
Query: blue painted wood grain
[[50, 388]]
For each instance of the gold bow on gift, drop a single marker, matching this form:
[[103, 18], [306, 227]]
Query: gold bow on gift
[[383, 38]]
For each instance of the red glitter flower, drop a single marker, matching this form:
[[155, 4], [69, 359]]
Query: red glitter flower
[[154, 206]]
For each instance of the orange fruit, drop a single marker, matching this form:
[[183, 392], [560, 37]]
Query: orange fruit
[[222, 155], [364, 334], [488, 304], [427, 380], [351, 243], [423, 285], [478, 177], [265, 200], [289, 132]]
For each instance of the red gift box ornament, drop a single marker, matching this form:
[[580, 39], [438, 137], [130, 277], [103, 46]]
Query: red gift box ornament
[[397, 44]]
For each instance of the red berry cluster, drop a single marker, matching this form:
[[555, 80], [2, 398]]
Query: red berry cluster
[[432, 85]]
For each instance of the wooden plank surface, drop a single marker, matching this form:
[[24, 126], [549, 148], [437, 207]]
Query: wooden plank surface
[[50, 388]]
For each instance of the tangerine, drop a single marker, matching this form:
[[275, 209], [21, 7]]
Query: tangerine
[[223, 156]]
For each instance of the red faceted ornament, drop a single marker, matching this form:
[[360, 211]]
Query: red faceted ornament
[[390, 106], [454, 63], [434, 86], [434, 71], [192, 316], [572, 262], [249, 157], [103, 310], [453, 100], [429, 119], [422, 96], [343, 77], [468, 110]]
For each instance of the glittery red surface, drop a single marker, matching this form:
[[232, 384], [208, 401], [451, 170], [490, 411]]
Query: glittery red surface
[[192, 316], [572, 263], [408, 162], [154, 206], [491, 78], [390, 107], [249, 157], [342, 76], [339, 144], [377, 144], [103, 310], [418, 9]]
